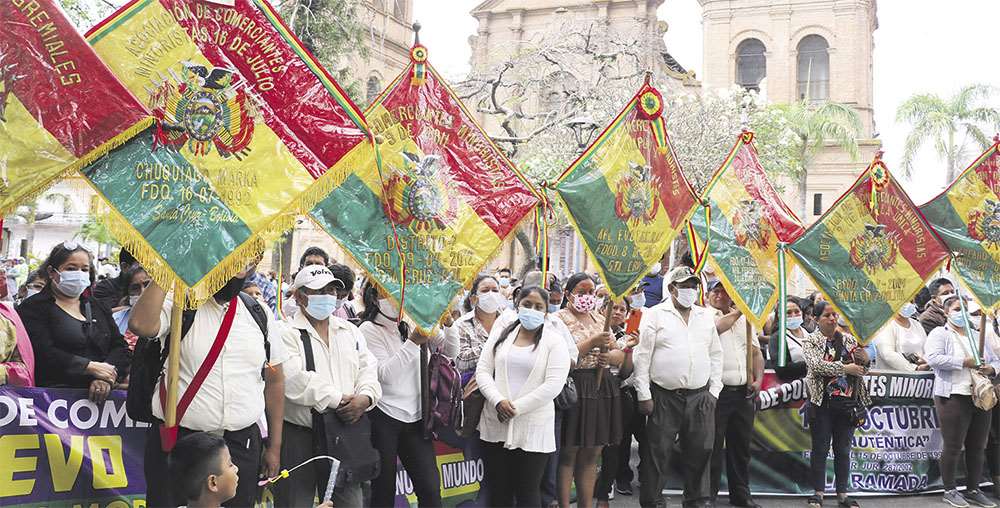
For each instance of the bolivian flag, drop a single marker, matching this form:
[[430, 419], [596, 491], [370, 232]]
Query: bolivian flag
[[749, 220], [60, 107], [444, 197], [626, 195], [871, 252], [967, 216], [250, 132]]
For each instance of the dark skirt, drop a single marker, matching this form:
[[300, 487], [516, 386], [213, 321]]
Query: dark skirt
[[596, 420]]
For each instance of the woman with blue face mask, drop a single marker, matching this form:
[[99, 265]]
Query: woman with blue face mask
[[795, 336], [522, 369], [76, 341], [901, 342], [951, 354]]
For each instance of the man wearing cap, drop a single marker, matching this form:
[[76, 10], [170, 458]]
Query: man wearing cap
[[678, 378], [734, 413], [344, 380]]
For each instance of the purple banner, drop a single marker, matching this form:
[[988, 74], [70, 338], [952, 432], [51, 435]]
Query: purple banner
[[58, 449]]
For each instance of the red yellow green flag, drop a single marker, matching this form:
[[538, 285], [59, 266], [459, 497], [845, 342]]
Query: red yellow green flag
[[444, 197], [626, 195], [967, 216], [250, 132], [60, 107], [749, 221], [871, 252]]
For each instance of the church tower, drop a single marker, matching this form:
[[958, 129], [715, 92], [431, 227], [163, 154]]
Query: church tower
[[790, 50]]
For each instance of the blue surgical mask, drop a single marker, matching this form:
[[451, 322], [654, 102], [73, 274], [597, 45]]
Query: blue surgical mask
[[553, 307], [73, 283], [957, 319], [793, 323], [908, 310], [504, 282], [530, 319], [638, 301], [321, 306]]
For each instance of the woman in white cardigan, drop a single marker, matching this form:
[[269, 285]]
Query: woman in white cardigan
[[522, 368]]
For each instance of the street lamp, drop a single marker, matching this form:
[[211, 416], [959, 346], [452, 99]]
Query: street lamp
[[583, 128]]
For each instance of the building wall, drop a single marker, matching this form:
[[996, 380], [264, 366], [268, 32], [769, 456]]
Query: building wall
[[848, 27]]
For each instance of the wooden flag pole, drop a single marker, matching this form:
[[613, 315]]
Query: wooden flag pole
[[604, 347], [982, 334], [174, 360]]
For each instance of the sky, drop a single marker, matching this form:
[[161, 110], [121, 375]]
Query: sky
[[921, 46]]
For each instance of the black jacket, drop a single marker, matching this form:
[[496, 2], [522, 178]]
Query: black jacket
[[62, 361]]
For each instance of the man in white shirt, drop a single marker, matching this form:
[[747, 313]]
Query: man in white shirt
[[241, 388], [734, 414], [344, 380], [678, 378]]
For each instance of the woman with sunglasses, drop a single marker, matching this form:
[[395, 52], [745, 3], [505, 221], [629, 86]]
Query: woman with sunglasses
[[76, 341]]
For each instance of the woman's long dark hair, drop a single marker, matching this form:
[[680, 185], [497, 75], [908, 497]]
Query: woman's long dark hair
[[369, 297], [467, 303], [57, 257], [571, 284], [510, 328], [129, 275]]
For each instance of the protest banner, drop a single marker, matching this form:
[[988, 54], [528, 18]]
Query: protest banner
[[57, 449], [60, 106], [748, 221], [626, 195], [871, 252], [250, 132], [967, 217], [444, 197], [895, 452]]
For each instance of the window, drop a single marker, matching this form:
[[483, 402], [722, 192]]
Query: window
[[817, 204], [372, 88], [397, 9], [814, 68], [751, 64]]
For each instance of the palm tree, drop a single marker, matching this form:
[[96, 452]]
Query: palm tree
[[813, 125], [29, 213], [950, 123]]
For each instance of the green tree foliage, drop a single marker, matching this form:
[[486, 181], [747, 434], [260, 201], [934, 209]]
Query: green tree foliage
[[954, 125]]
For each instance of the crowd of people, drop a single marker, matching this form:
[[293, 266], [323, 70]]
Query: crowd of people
[[556, 381]]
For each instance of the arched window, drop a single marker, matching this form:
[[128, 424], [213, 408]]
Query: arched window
[[814, 68], [372, 88], [751, 64]]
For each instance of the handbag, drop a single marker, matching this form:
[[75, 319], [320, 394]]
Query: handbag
[[567, 398], [984, 395], [350, 443]]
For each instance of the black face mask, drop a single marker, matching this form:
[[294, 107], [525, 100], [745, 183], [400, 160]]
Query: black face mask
[[230, 290]]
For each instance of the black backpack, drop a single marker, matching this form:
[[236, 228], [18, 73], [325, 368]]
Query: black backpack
[[148, 360]]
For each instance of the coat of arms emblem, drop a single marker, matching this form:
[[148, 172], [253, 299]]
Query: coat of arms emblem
[[418, 197], [636, 196], [875, 248], [984, 224], [203, 108]]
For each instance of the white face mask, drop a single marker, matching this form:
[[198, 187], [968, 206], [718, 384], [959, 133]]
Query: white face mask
[[655, 269], [73, 283], [686, 297], [908, 310], [388, 308], [490, 302], [132, 300]]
